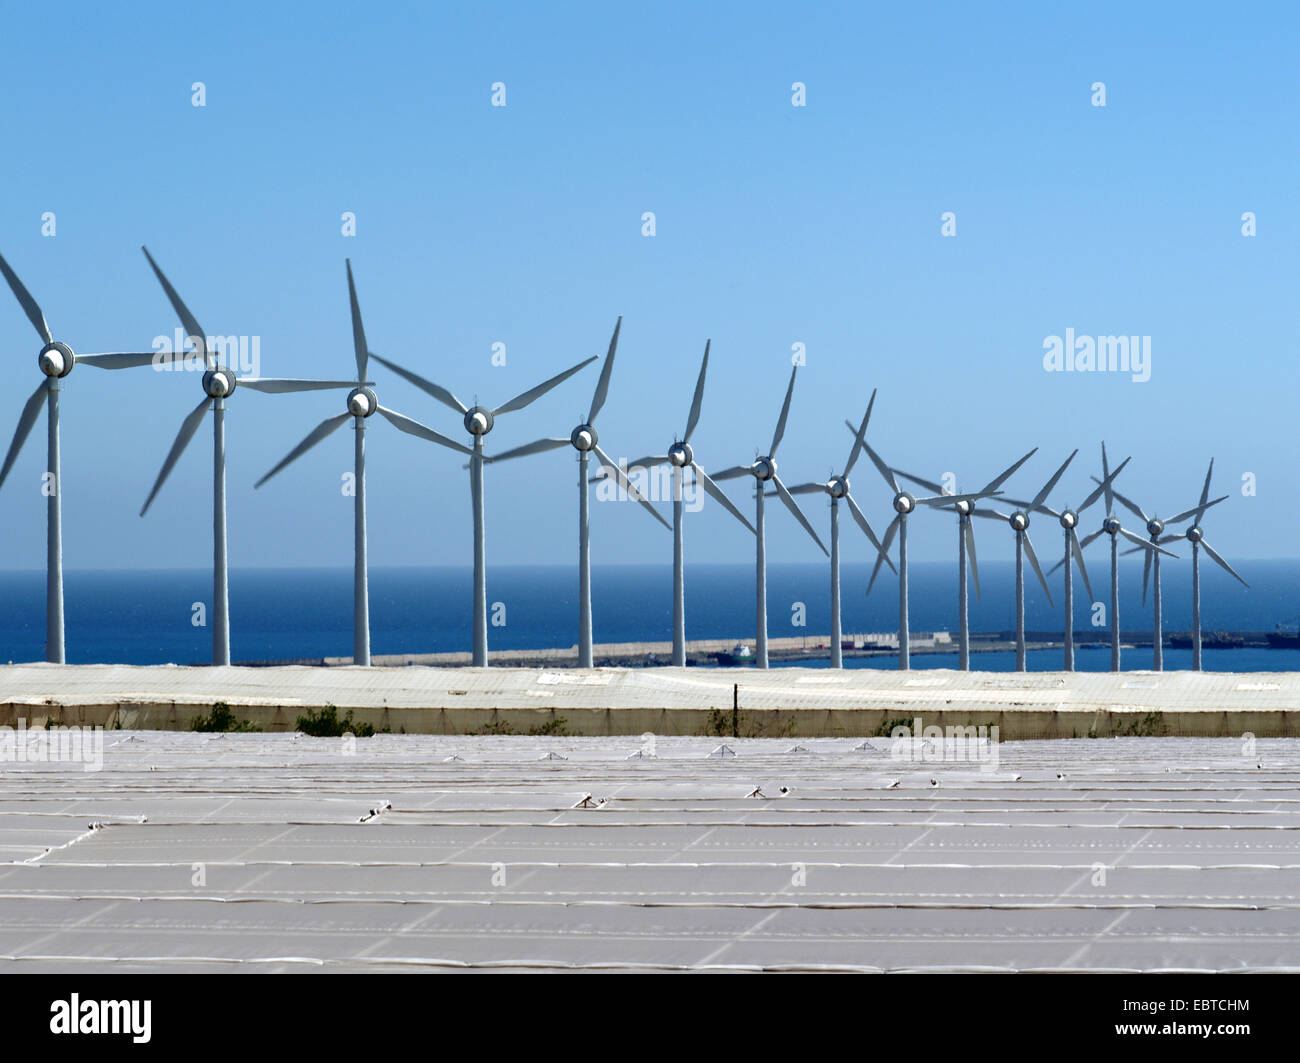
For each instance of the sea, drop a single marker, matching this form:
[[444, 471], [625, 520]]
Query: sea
[[153, 617]]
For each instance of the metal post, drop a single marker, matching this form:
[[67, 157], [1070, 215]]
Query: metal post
[[1158, 641], [54, 649], [904, 638], [360, 577], [1114, 603], [837, 634], [480, 573], [679, 578], [1196, 606], [220, 576], [1069, 606], [584, 564], [963, 613], [760, 563], [1020, 601]]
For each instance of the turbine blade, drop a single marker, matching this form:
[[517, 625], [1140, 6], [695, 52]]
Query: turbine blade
[[31, 410], [970, 556], [1146, 574], [1077, 550], [1088, 539], [885, 470], [130, 361], [1103, 487], [732, 473], [1033, 561], [359, 347], [1041, 497], [884, 552], [870, 534], [694, 418], [859, 436], [1222, 563], [428, 386], [793, 507], [779, 434], [1196, 511], [330, 424], [602, 386], [628, 486], [716, 492], [29, 305], [536, 447], [1146, 544], [415, 428], [805, 489], [188, 427], [192, 328], [532, 394], [648, 462], [948, 500], [998, 481], [1105, 473], [989, 514], [1131, 506], [929, 485], [283, 385]]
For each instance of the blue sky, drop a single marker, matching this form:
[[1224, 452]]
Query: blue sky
[[775, 225]]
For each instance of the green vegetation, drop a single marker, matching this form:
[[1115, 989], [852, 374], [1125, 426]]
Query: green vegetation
[[326, 724], [556, 727], [222, 719]]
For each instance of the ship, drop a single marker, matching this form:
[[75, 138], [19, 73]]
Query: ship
[[1210, 640], [739, 656], [1286, 637]]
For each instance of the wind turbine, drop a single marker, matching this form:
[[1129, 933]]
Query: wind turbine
[[56, 361], [904, 503], [584, 439], [1019, 521], [362, 402], [966, 548], [478, 422], [1069, 521], [1155, 529], [838, 488], [1111, 526], [219, 383], [681, 457], [1196, 537], [763, 470]]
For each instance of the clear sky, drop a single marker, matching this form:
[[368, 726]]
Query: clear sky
[[775, 225]]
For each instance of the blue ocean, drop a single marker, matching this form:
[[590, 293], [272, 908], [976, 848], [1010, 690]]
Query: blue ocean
[[139, 617]]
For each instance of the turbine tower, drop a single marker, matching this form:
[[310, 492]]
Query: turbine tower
[[681, 457], [585, 440], [219, 383], [1111, 526], [1196, 537], [1019, 522], [56, 361], [838, 488], [1069, 521], [362, 402], [763, 470], [966, 549], [1155, 530], [478, 422], [904, 503]]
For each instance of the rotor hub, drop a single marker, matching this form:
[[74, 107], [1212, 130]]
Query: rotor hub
[[1155, 527], [904, 503], [478, 421], [1194, 534], [680, 455], [362, 402], [1110, 526], [838, 486], [1019, 520], [1069, 519], [56, 359], [584, 437], [965, 507], [763, 469], [218, 383]]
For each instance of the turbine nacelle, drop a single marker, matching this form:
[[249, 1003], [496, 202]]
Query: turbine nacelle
[[763, 469], [584, 437], [904, 503], [965, 507], [56, 359], [1110, 526], [680, 455], [362, 402], [1155, 527], [1069, 519], [838, 487], [1019, 520], [1194, 534], [478, 421], [219, 383]]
